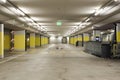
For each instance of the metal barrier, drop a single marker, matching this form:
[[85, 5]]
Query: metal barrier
[[79, 43], [98, 49], [116, 50]]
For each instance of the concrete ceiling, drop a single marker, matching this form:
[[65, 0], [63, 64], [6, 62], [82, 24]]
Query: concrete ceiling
[[69, 12]]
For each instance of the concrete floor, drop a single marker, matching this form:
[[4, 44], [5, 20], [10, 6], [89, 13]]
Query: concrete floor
[[69, 63]]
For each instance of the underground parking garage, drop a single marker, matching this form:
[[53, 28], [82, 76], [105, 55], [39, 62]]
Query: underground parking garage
[[59, 40]]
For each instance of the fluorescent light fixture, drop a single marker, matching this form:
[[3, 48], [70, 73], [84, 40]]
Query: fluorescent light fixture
[[85, 23], [30, 24], [101, 32], [88, 20], [98, 12], [20, 12], [115, 0], [17, 11], [35, 24], [93, 27], [83, 26], [3, 1], [29, 20]]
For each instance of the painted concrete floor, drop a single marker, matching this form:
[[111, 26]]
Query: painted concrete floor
[[59, 62]]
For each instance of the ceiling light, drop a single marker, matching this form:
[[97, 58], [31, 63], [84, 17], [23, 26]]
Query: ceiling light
[[85, 23], [87, 19], [3, 1], [115, 0], [28, 19], [83, 26], [17, 11], [30, 24], [20, 12], [98, 12]]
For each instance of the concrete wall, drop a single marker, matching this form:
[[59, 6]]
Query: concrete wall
[[55, 40]]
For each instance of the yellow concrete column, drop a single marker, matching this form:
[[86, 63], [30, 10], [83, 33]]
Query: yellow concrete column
[[45, 41], [72, 40], [86, 37], [37, 40], [69, 40], [32, 40], [75, 40], [1, 40], [19, 40], [40, 41], [48, 40], [7, 40], [118, 32]]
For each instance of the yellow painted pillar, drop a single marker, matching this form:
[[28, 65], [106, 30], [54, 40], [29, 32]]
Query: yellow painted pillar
[[37, 40], [75, 40], [118, 32], [19, 40], [43, 40], [69, 40], [40, 41], [86, 37], [32, 40], [1, 40], [46, 40], [72, 41], [7, 40]]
